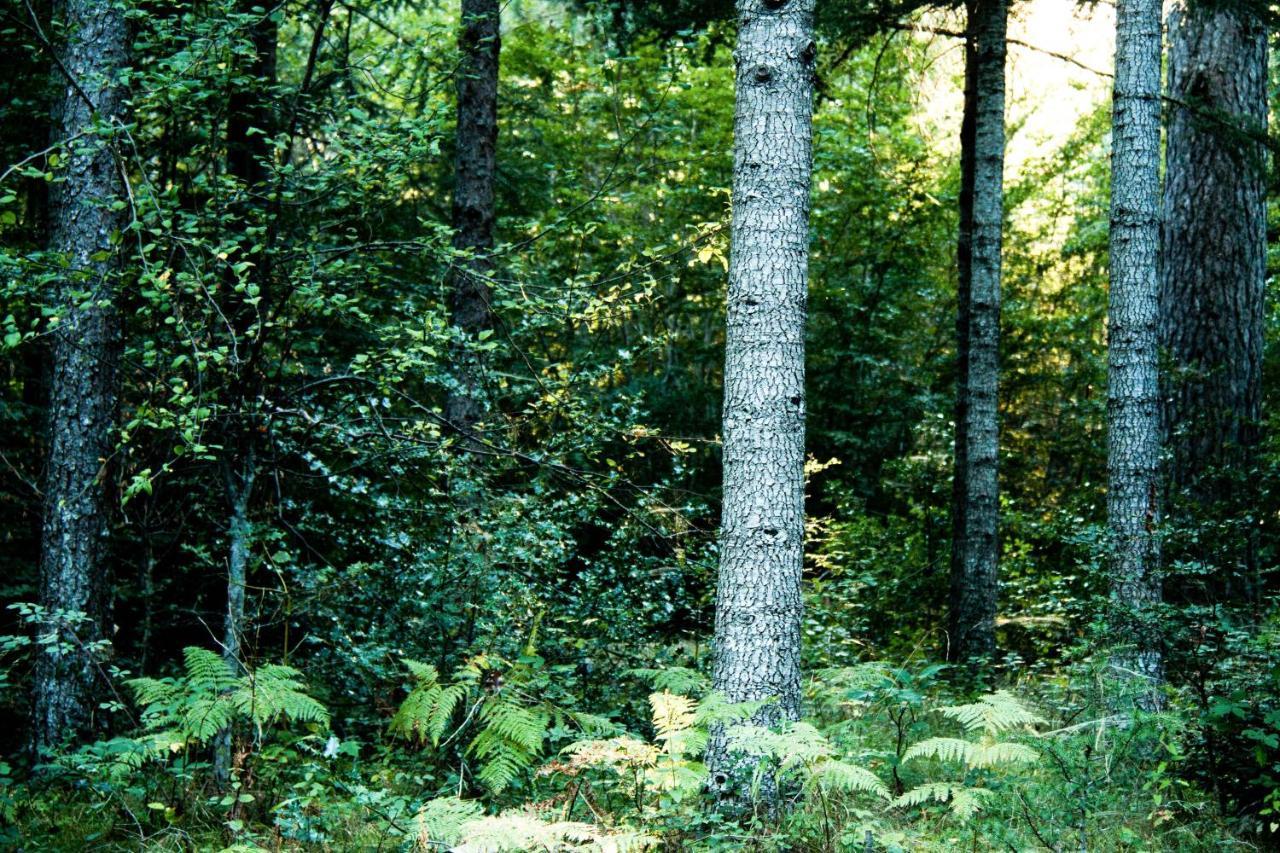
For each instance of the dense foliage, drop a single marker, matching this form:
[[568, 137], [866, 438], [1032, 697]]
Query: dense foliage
[[502, 643]]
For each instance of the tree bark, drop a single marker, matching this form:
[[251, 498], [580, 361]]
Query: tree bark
[[1133, 416], [975, 552], [758, 604], [239, 489], [86, 230], [251, 124], [1213, 271], [473, 203]]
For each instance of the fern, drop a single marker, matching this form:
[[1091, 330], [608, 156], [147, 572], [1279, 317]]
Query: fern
[[674, 679], [995, 713], [273, 692], [971, 754], [441, 821], [522, 831], [964, 802], [209, 697], [425, 713], [848, 778]]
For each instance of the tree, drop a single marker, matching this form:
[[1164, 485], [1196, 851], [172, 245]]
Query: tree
[[1213, 265], [975, 507], [1133, 416], [473, 194], [88, 215], [758, 603], [251, 127]]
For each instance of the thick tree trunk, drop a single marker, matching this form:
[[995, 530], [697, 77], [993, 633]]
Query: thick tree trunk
[[84, 385], [975, 500], [1213, 270], [758, 604], [1133, 417], [473, 202]]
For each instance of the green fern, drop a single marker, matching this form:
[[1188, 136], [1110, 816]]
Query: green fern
[[209, 697], [964, 802], [441, 821], [995, 713], [971, 754], [425, 713], [674, 679], [509, 741], [847, 778]]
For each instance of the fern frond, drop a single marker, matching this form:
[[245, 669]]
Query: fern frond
[[441, 821], [848, 778], [205, 716], [519, 831], [994, 713], [509, 741], [151, 692], [797, 743], [714, 708], [207, 672], [964, 802], [672, 714], [943, 749], [674, 679], [273, 692], [993, 754], [620, 753], [425, 713]]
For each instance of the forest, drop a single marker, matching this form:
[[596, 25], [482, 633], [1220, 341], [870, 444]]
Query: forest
[[621, 425]]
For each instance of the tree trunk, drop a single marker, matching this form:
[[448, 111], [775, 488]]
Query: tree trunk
[[84, 384], [1213, 271], [473, 202], [251, 124], [1133, 417], [975, 500], [758, 604], [239, 486]]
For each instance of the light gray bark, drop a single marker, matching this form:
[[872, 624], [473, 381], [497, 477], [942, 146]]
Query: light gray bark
[[975, 552], [84, 387], [1213, 268], [758, 603], [1133, 417]]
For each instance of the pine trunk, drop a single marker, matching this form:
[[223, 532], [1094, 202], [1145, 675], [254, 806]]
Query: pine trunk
[[1133, 416], [758, 604], [1213, 274], [84, 385], [473, 202], [975, 500]]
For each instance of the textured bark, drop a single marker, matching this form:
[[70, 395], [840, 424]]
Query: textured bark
[[239, 487], [758, 604], [84, 383], [1133, 417], [975, 499], [1213, 264], [473, 201]]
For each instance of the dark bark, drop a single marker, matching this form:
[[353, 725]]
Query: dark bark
[[86, 230], [1133, 417], [975, 551], [758, 600], [1213, 275], [473, 203]]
